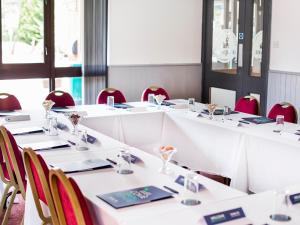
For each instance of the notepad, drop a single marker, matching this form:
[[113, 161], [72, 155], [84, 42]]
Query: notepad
[[122, 106], [26, 130], [259, 120], [46, 145], [135, 196], [81, 166], [218, 112]]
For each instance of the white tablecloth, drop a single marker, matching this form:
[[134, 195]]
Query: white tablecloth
[[249, 154], [107, 180], [255, 157]]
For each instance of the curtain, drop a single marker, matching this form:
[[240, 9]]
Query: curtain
[[95, 49]]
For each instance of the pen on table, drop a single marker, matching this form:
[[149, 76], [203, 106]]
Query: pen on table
[[71, 142], [242, 121], [171, 189], [111, 161]]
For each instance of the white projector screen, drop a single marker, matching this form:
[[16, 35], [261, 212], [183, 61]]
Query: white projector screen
[[143, 32]]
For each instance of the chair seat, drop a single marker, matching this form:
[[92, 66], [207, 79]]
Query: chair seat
[[4, 169]]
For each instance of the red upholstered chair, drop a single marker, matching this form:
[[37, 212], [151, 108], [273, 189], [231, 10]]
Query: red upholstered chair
[[156, 91], [61, 99], [118, 96], [38, 176], [16, 175], [9, 102], [286, 109], [70, 204], [247, 104]]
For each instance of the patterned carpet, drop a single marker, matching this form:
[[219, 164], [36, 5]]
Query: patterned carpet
[[17, 213]]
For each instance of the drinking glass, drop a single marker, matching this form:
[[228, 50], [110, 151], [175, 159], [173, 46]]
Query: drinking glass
[[281, 206], [191, 188], [166, 153], [211, 109], [191, 104], [48, 104], [81, 143], [151, 99], [159, 99], [74, 119], [226, 111], [279, 123], [52, 128], [124, 162], [111, 101]]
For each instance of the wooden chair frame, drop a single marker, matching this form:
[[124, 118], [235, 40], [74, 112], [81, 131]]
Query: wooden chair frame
[[31, 156], [110, 90], [55, 175], [14, 175]]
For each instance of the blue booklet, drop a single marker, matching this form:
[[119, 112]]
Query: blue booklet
[[135, 196], [259, 120], [122, 106]]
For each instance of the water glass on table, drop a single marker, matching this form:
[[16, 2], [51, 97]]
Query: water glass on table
[[279, 123], [151, 99], [281, 206], [191, 188], [191, 104], [110, 101], [226, 111], [52, 128], [124, 162], [82, 143]]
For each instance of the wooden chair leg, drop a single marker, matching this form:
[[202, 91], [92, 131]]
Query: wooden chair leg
[[4, 198], [8, 210]]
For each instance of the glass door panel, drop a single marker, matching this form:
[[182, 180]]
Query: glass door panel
[[22, 31], [225, 33], [257, 38]]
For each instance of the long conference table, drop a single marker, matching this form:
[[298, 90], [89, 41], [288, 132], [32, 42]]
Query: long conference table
[[253, 156]]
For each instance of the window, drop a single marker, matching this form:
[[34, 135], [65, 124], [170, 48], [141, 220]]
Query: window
[[27, 96], [68, 35], [41, 39], [22, 31]]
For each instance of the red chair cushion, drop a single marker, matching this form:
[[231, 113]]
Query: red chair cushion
[[61, 99], [4, 169], [247, 105], [158, 91], [289, 113], [19, 158], [118, 97], [9, 103], [67, 206], [37, 180]]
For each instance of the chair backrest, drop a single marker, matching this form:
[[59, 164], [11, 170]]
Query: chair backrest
[[247, 104], [70, 204], [14, 160], [286, 109], [154, 90], [118, 96], [5, 168], [38, 176], [61, 99], [9, 102]]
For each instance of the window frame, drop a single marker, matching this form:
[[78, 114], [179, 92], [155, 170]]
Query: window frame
[[39, 70]]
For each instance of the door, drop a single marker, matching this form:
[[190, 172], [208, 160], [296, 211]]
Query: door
[[236, 50]]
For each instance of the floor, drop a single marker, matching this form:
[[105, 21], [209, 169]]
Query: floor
[[17, 213]]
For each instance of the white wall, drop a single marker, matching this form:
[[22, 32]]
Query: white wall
[[181, 81], [160, 32], [285, 36]]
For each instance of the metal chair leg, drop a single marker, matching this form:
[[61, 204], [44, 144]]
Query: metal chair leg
[[8, 210]]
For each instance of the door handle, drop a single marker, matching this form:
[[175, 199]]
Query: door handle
[[240, 55]]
